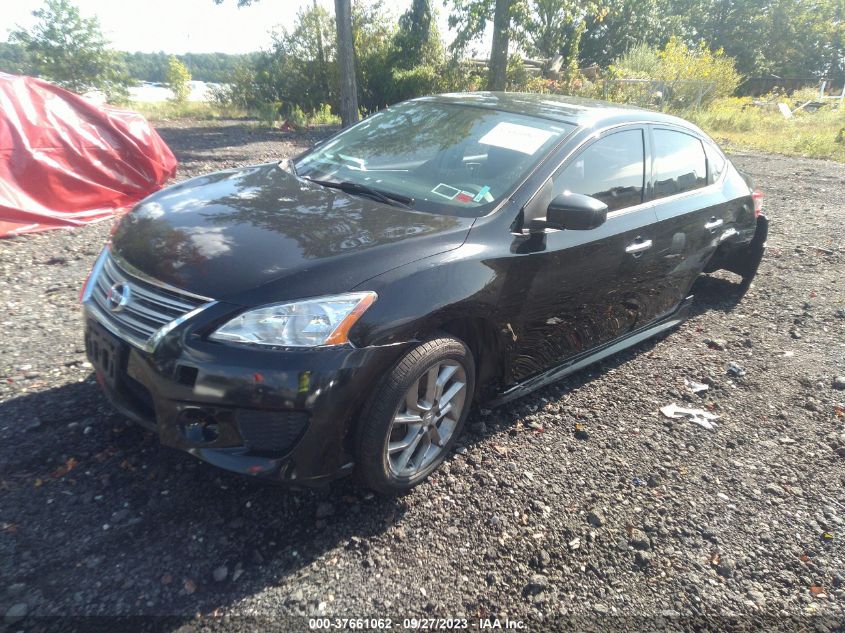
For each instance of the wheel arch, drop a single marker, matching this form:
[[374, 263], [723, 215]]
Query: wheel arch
[[484, 340]]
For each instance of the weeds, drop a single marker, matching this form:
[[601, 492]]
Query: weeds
[[269, 115], [745, 126], [165, 110]]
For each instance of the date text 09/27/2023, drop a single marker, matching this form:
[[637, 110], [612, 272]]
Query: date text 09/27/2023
[[434, 624]]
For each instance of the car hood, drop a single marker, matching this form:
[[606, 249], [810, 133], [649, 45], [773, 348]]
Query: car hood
[[261, 234]]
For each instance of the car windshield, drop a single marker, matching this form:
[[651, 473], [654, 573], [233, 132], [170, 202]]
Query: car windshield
[[448, 159]]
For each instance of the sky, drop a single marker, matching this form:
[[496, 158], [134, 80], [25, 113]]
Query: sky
[[182, 26]]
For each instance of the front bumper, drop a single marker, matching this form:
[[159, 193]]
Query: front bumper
[[285, 415]]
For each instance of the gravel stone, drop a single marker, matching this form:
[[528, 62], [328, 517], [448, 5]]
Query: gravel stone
[[16, 613], [324, 510], [220, 573], [639, 540], [538, 583], [719, 344], [596, 518], [757, 596], [726, 567], [775, 489]]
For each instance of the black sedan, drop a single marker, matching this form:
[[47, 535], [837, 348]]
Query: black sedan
[[342, 311]]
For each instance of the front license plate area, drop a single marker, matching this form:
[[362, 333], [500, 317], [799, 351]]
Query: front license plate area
[[106, 352]]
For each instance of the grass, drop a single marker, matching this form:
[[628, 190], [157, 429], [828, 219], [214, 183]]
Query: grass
[[741, 125], [198, 111]]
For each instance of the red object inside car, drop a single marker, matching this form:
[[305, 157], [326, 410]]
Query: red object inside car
[[65, 161]]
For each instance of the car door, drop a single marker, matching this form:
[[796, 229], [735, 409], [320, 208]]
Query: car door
[[693, 216], [580, 289]]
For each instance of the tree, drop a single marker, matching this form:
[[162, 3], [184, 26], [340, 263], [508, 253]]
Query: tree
[[619, 25], [346, 62], [546, 28], [417, 41], [376, 56], [345, 57], [780, 38], [71, 51], [498, 67], [176, 78], [13, 59], [470, 19]]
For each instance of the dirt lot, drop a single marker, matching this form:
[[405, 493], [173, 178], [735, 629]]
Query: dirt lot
[[576, 504]]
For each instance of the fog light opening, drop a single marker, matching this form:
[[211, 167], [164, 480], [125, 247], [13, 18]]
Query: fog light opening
[[198, 426]]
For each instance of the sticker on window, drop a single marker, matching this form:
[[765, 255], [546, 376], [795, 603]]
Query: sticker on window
[[484, 194], [519, 138], [446, 191]]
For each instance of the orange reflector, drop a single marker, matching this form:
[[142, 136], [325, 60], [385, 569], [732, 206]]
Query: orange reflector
[[341, 332]]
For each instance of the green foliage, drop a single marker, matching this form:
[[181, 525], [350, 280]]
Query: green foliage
[[786, 38], [323, 116], [13, 59], [70, 50], [742, 125], [468, 18], [682, 76], [197, 110], [802, 95], [547, 28], [639, 62], [210, 67], [297, 117], [373, 34], [417, 42], [176, 78], [621, 25], [300, 71], [413, 82], [571, 84]]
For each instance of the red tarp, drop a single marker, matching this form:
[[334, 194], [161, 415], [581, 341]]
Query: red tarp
[[65, 161]]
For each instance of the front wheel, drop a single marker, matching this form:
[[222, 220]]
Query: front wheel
[[415, 415]]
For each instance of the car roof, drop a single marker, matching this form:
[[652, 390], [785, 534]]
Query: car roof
[[574, 110]]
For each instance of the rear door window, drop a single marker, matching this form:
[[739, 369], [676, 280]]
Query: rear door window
[[612, 169], [715, 163], [679, 163]]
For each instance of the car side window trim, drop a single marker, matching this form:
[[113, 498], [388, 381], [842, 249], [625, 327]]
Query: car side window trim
[[709, 188], [649, 202], [589, 140], [588, 174]]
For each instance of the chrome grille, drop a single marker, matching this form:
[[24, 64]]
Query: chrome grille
[[149, 308]]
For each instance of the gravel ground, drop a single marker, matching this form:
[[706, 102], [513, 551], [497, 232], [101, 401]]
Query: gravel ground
[[576, 504]]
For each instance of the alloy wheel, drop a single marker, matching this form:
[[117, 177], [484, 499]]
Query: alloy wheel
[[426, 420]]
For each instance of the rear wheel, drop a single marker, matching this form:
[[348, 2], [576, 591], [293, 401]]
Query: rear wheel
[[415, 415]]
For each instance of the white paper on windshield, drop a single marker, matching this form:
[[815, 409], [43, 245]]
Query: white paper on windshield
[[519, 138]]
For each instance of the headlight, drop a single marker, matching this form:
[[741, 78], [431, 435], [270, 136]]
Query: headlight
[[308, 323]]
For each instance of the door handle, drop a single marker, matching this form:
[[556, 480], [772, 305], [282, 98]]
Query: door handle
[[638, 247], [714, 224]]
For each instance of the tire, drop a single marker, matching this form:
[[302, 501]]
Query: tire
[[385, 436]]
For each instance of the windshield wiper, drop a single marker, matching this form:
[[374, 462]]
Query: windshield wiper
[[356, 188]]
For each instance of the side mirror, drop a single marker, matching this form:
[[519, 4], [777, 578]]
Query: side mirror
[[575, 212]]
